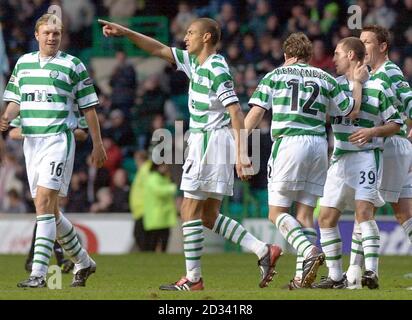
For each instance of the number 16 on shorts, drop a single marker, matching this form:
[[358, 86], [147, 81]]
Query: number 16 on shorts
[[56, 168]]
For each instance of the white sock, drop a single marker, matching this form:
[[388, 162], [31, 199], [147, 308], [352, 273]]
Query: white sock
[[67, 238], [291, 230], [43, 245], [407, 226], [331, 243], [193, 244], [233, 231], [354, 272], [370, 244]]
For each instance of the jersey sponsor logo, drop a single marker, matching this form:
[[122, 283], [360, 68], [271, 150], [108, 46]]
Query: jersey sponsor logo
[[88, 82], [229, 84], [54, 74], [37, 96], [25, 72]]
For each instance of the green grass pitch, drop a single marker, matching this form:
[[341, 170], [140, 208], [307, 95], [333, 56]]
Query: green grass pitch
[[226, 276]]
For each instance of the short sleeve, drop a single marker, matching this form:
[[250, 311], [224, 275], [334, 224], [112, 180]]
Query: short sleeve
[[262, 95], [338, 99], [85, 93], [12, 91], [223, 84], [182, 60]]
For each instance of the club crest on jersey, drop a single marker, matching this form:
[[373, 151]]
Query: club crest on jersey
[[403, 84], [54, 74], [229, 84], [88, 82], [365, 99]]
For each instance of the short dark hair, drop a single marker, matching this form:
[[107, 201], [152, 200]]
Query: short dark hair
[[211, 26], [298, 45], [356, 45], [382, 34]]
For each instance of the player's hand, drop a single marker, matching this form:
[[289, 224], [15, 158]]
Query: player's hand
[[290, 61], [98, 156], [244, 169], [362, 136], [410, 134], [360, 72], [111, 29], [4, 123]]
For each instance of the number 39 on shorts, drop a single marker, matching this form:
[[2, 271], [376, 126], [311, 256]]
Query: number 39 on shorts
[[367, 177]]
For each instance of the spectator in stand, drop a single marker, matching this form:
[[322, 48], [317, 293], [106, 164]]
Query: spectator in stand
[[234, 57], [158, 122], [250, 50], [403, 21], [330, 18], [395, 55], [159, 207], [123, 84], [407, 70], [298, 21], [313, 9], [9, 176], [264, 64], [121, 8], [213, 8], [258, 21], [226, 13], [121, 132], [114, 154], [14, 203], [136, 196], [4, 66], [180, 23], [104, 203], [276, 52], [77, 194], [120, 191], [407, 50], [232, 34], [150, 103], [80, 14], [320, 58], [273, 26], [96, 179], [381, 14]]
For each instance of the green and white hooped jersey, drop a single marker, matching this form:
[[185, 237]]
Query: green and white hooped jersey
[[300, 97], [47, 93], [393, 77], [211, 90], [376, 109], [81, 121]]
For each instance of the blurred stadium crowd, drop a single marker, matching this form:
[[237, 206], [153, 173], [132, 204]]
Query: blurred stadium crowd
[[252, 35]]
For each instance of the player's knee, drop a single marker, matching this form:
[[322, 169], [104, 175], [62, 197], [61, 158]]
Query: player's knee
[[45, 203], [327, 220]]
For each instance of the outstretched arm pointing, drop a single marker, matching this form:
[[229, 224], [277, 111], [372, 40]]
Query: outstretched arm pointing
[[150, 45]]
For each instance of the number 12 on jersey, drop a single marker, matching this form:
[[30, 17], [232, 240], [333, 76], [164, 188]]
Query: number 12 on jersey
[[294, 84]]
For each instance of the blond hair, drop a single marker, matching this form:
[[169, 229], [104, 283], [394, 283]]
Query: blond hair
[[49, 19]]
